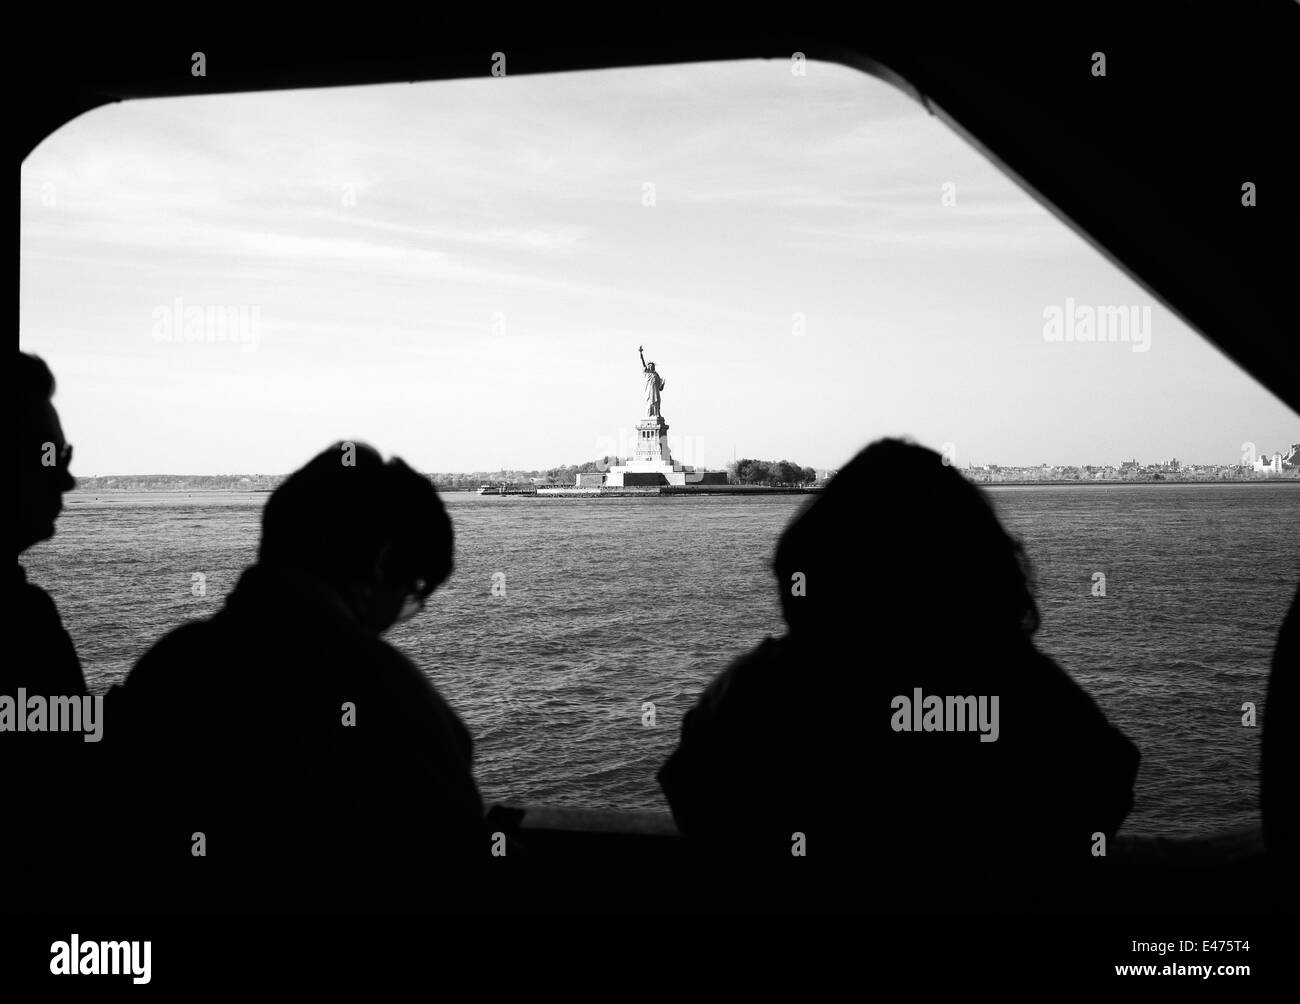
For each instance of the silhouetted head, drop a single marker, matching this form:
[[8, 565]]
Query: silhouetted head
[[44, 456], [375, 532], [901, 549]]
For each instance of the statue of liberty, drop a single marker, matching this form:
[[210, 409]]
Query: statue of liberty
[[654, 384]]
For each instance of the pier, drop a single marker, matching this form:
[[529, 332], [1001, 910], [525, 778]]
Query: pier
[[642, 491]]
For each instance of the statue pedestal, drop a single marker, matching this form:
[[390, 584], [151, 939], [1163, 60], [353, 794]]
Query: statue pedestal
[[652, 443], [652, 463]]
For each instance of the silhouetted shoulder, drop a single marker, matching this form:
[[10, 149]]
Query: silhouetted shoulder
[[409, 696], [167, 664], [1280, 756], [46, 661], [755, 676], [383, 684], [707, 779], [1066, 706]]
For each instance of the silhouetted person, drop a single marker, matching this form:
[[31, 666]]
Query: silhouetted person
[[899, 579], [48, 663], [48, 789], [323, 771], [1279, 769]]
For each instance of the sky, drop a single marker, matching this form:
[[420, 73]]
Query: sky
[[461, 273]]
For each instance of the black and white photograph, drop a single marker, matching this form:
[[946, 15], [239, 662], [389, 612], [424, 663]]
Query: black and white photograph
[[827, 476]]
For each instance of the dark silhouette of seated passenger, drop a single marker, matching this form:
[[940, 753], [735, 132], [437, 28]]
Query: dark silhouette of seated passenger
[[49, 663], [322, 770], [1279, 768], [44, 776], [790, 776]]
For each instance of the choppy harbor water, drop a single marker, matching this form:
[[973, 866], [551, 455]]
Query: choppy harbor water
[[612, 602]]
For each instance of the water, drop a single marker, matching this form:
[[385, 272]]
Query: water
[[609, 603]]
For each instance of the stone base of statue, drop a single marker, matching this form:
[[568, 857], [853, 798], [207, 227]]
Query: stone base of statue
[[651, 463]]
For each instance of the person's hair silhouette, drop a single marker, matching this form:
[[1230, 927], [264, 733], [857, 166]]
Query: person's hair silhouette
[[818, 770], [900, 537], [374, 532]]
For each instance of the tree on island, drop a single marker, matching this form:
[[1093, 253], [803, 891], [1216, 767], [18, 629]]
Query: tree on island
[[772, 473]]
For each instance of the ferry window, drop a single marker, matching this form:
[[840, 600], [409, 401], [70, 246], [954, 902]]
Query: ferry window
[[224, 285]]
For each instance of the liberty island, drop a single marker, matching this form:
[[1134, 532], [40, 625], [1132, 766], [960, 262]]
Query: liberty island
[[651, 465]]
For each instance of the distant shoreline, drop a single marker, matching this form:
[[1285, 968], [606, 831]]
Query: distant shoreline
[[80, 492], [1140, 481]]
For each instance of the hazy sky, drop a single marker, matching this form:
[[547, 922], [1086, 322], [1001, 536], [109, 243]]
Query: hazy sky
[[461, 272]]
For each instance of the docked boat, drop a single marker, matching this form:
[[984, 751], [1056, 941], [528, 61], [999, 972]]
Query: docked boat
[[487, 489]]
